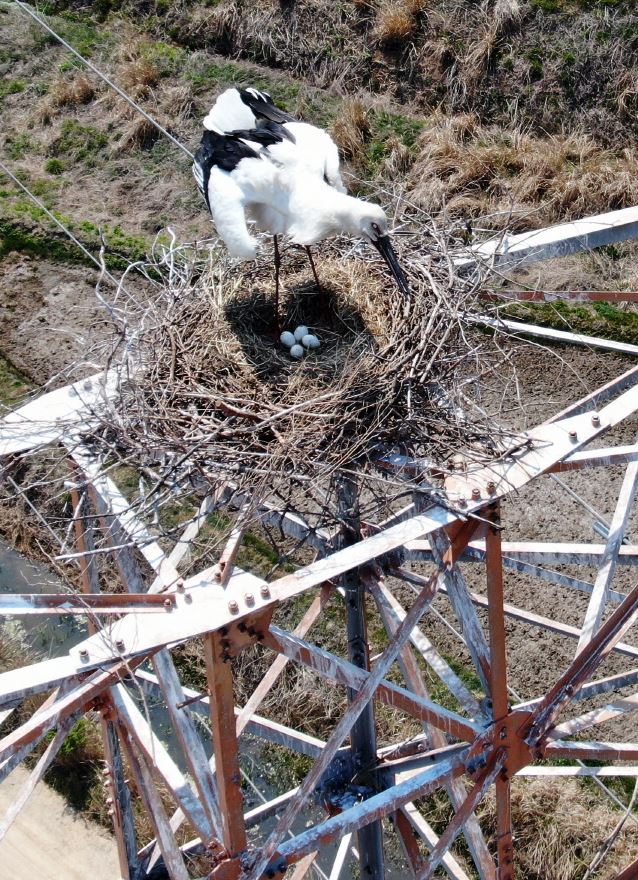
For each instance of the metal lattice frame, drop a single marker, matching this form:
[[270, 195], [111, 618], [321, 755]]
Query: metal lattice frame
[[485, 742]]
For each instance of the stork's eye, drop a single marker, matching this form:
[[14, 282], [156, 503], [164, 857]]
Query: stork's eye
[[376, 227]]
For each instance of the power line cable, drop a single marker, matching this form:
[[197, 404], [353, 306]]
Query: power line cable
[[103, 76]]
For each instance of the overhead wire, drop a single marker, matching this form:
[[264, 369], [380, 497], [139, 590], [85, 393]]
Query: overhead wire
[[103, 76], [59, 223]]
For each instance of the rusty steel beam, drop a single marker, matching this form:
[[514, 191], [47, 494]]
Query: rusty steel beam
[[500, 698], [79, 604], [226, 750], [582, 667]]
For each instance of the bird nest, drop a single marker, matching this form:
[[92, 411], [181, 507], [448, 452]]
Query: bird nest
[[215, 397]]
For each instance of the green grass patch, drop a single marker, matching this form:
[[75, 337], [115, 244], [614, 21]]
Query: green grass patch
[[80, 143], [13, 385], [10, 86], [598, 319]]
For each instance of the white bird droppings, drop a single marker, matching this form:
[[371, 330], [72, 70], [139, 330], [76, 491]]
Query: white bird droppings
[[287, 338], [310, 341], [300, 332], [297, 351]]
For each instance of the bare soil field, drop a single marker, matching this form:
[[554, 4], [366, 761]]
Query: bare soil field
[[51, 842]]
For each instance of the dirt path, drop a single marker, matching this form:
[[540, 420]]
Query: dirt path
[[50, 842]]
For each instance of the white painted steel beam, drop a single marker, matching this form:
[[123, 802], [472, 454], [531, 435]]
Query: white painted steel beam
[[507, 251]]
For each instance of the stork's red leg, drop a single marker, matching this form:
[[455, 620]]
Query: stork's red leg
[[312, 265], [277, 265]]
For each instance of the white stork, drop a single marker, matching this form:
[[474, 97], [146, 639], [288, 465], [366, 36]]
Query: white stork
[[257, 163]]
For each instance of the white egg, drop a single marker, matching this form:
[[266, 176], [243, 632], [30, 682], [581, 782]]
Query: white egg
[[300, 332], [310, 341], [297, 351], [287, 338]]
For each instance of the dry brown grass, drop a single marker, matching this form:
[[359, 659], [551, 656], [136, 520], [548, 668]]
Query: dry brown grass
[[395, 24], [139, 76], [351, 129], [138, 133], [78, 90], [521, 180], [560, 825]]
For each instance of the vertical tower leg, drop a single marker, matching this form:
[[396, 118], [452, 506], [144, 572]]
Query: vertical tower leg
[[222, 712], [363, 741], [500, 702]]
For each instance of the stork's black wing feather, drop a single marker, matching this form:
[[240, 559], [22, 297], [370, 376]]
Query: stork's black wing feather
[[263, 107], [224, 151], [265, 134]]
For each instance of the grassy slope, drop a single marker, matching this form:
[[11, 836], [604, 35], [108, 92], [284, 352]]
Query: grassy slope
[[105, 173]]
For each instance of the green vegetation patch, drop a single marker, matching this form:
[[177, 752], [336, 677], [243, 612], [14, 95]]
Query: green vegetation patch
[[79, 143], [13, 385], [597, 319]]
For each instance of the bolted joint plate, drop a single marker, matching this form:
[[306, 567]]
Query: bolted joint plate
[[507, 734]]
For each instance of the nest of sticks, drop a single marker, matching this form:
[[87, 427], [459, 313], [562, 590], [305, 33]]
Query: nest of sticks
[[212, 395]]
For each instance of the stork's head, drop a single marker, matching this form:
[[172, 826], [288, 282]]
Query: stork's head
[[373, 226]]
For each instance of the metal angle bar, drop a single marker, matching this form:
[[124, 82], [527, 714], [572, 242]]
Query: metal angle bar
[[429, 836], [18, 684], [500, 701], [593, 688], [414, 680], [183, 545], [46, 418], [454, 828], [589, 751], [118, 508], [228, 555], [170, 851], [301, 868], [340, 858], [107, 493], [523, 329], [122, 811], [123, 818], [544, 552], [154, 751], [344, 726], [558, 295], [8, 765], [226, 750], [607, 567], [630, 872], [335, 669], [555, 241], [378, 806], [280, 662], [363, 739], [597, 458], [459, 596], [190, 741], [596, 716], [599, 395], [57, 711], [527, 617], [583, 666], [630, 770], [389, 605], [264, 728], [81, 604], [408, 839]]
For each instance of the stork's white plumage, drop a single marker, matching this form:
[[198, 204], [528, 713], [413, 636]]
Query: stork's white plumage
[[256, 163]]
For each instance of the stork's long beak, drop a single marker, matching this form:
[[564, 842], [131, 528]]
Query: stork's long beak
[[386, 250]]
